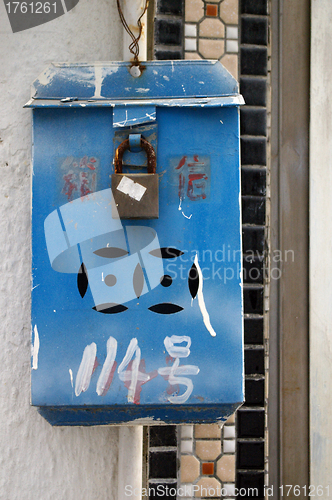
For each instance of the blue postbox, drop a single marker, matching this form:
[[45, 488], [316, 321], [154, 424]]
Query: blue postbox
[[137, 296]]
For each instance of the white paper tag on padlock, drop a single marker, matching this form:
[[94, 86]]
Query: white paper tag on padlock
[[131, 188]]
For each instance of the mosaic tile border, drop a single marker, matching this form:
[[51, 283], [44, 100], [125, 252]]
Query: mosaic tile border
[[211, 31], [207, 460]]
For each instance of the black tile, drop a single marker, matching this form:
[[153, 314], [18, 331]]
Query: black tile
[[253, 91], [163, 435], [253, 300], [250, 455], [162, 464], [253, 151], [254, 361], [254, 392], [253, 270], [163, 55], [253, 482], [168, 32], [254, 61], [253, 181], [250, 423], [253, 331], [254, 30], [162, 490], [254, 7], [253, 121], [253, 239], [170, 7], [253, 210]]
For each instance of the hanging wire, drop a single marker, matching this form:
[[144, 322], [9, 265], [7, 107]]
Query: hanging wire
[[133, 47]]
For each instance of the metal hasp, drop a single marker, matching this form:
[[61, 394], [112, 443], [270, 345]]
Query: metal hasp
[[136, 320]]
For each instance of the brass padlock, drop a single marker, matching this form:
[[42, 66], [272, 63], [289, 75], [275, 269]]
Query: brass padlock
[[136, 196]]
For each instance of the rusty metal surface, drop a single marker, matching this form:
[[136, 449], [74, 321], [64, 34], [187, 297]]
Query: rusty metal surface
[[124, 146]]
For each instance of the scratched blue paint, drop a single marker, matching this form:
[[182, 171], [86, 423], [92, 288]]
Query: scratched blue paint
[[199, 376]]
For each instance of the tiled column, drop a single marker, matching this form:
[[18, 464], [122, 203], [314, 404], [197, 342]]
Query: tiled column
[[254, 75], [213, 461]]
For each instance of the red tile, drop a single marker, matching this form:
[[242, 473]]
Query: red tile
[[207, 469], [211, 10]]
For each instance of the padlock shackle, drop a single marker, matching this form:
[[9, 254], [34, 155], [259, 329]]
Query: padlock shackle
[[150, 153]]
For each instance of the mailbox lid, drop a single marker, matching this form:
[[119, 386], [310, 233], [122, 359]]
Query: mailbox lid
[[101, 84]]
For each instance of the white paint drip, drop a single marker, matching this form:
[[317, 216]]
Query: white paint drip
[[201, 302], [71, 377], [98, 80], [85, 370], [142, 90], [108, 365], [131, 188], [166, 78], [35, 349], [180, 208]]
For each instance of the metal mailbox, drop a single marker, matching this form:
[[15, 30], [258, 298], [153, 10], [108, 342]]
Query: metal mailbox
[[136, 318]]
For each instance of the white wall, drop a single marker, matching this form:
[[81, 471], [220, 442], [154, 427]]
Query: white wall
[[321, 245], [37, 461]]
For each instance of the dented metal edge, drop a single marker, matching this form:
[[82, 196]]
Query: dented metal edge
[[230, 100]]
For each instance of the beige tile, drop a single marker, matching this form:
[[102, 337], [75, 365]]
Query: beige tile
[[231, 419], [194, 10], [229, 11], [226, 468], [209, 487], [230, 61], [207, 431], [189, 469], [212, 28], [192, 55], [208, 450], [211, 49]]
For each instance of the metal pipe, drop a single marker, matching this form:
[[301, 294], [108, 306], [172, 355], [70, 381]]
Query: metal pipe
[[130, 462]]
